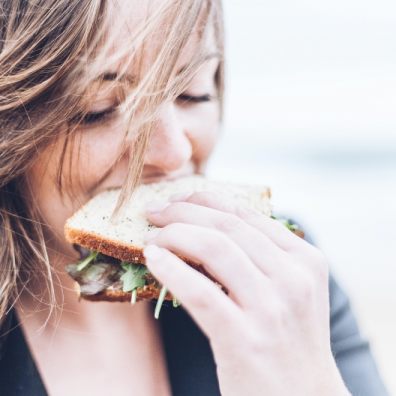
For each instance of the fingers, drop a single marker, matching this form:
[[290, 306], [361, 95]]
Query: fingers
[[273, 229], [204, 301], [219, 255], [257, 246]]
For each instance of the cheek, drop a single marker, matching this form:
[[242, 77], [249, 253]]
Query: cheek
[[99, 151], [203, 128], [45, 196], [89, 157]]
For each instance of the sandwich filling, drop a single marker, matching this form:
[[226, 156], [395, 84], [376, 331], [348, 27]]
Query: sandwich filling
[[97, 272]]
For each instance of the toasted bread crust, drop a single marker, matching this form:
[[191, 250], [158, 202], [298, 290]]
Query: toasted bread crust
[[130, 253], [149, 292], [113, 248], [109, 247]]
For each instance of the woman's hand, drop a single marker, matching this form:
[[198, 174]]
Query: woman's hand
[[270, 335]]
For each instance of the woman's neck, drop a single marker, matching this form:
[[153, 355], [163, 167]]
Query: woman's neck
[[82, 338]]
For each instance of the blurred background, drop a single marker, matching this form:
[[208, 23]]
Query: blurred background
[[311, 112]]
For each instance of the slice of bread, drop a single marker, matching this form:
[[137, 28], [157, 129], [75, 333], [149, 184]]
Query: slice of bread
[[92, 227]]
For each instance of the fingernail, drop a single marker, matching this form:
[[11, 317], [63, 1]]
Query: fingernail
[[152, 252], [156, 206], [150, 235], [182, 196]]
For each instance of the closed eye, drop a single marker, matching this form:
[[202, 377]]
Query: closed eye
[[94, 117], [184, 98]]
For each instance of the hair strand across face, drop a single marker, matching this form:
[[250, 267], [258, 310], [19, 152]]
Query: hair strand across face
[[51, 52]]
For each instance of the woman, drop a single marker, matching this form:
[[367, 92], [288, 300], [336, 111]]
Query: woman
[[98, 94]]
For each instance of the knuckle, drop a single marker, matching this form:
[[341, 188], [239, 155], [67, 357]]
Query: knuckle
[[215, 243], [244, 212], [229, 223], [213, 199]]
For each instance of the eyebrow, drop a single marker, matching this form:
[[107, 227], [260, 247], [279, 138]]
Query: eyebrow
[[129, 78], [204, 59]]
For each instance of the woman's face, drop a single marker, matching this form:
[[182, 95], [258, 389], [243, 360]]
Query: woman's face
[[183, 137]]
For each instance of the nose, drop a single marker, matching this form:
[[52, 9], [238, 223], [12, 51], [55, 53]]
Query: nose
[[169, 147]]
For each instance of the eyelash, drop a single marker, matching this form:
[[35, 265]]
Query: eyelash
[[97, 116], [191, 99], [101, 116]]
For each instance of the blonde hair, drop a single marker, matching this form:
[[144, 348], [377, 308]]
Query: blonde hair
[[50, 53]]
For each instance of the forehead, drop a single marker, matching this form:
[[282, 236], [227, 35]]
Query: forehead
[[129, 18], [129, 14]]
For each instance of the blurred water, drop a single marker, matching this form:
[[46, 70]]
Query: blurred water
[[311, 111]]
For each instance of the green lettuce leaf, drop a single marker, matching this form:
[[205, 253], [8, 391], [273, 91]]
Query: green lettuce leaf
[[133, 276]]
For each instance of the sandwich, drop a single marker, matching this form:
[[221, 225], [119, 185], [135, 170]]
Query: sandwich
[[112, 266]]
